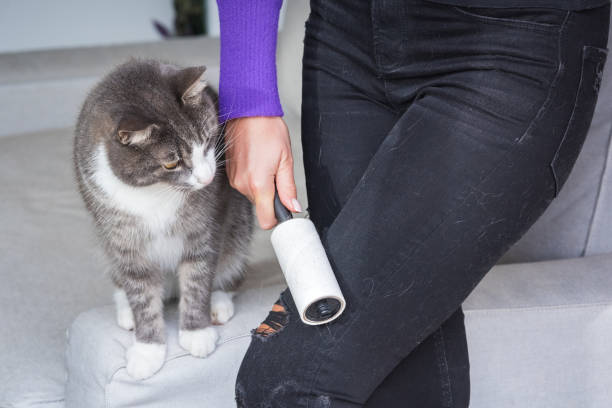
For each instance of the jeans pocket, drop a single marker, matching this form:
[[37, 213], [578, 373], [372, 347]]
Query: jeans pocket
[[541, 19], [593, 60]]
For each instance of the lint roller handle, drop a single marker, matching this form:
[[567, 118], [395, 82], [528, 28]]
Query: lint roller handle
[[281, 212]]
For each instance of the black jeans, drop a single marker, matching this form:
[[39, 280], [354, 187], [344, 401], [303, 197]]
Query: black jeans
[[434, 136]]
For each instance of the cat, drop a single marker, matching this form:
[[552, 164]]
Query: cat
[[147, 150]]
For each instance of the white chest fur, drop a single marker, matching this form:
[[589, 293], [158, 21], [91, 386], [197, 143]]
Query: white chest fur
[[165, 251], [157, 205]]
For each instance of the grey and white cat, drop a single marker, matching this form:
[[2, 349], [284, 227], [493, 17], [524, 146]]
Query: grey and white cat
[[146, 153]]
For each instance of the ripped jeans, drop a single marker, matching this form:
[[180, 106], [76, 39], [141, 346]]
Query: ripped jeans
[[434, 136]]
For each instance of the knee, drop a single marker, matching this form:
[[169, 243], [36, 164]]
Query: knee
[[262, 376], [273, 373], [276, 321]]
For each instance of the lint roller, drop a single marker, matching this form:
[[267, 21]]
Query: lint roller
[[307, 270]]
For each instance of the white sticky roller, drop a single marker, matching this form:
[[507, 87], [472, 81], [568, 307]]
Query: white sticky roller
[[304, 263]]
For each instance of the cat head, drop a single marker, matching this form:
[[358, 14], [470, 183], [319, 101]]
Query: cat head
[[164, 125]]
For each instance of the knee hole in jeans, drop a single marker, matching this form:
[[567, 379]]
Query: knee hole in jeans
[[277, 319]]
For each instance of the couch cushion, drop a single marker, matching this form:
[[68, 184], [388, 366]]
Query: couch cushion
[[52, 267], [539, 335], [95, 359], [51, 264], [536, 337], [48, 266]]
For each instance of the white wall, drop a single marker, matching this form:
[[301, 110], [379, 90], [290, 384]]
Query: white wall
[[41, 24]]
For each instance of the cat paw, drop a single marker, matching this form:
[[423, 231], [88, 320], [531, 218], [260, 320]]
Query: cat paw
[[221, 307], [199, 343], [125, 318], [145, 359]]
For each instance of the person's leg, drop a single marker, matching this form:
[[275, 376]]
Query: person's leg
[[344, 121], [353, 127], [342, 131], [460, 177]]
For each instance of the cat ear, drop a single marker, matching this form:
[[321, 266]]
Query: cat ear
[[134, 130], [190, 83]]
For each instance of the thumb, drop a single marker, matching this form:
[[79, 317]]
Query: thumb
[[285, 185]]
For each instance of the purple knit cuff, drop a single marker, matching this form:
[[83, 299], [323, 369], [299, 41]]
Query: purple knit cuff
[[247, 83]]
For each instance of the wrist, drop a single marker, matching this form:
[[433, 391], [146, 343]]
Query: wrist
[[242, 103]]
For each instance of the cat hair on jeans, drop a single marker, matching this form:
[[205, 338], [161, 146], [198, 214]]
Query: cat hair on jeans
[[148, 156]]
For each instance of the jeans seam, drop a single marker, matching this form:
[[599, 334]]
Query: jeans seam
[[517, 145], [377, 60], [567, 126], [560, 69], [528, 25], [445, 381], [374, 47]]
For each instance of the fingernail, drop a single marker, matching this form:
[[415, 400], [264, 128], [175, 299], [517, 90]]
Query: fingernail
[[296, 205]]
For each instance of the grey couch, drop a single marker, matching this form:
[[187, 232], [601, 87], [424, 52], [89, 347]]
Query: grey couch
[[539, 324]]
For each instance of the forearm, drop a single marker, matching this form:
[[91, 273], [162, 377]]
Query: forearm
[[248, 85]]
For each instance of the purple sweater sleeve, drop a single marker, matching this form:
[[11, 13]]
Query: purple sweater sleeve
[[247, 83]]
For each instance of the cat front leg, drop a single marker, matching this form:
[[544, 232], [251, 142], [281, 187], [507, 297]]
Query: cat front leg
[[196, 335], [144, 293], [221, 306], [228, 277]]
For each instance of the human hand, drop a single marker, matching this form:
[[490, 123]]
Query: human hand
[[258, 153]]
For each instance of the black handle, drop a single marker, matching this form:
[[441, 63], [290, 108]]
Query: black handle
[[281, 212]]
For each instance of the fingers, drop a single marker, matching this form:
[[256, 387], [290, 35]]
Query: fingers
[[262, 190], [258, 157]]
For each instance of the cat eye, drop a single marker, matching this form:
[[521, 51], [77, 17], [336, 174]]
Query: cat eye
[[171, 165]]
